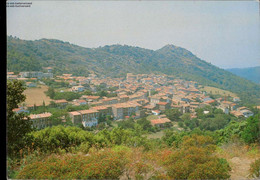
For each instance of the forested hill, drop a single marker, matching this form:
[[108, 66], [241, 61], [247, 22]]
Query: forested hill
[[117, 60], [251, 73]]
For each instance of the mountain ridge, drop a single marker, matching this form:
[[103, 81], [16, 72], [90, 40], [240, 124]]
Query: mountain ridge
[[117, 60], [249, 73]]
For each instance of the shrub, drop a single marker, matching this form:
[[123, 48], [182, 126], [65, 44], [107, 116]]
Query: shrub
[[106, 164], [255, 169], [194, 160], [251, 132]]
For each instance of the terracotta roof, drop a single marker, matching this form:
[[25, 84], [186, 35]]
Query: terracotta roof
[[160, 121], [43, 115], [90, 97], [162, 103], [61, 101], [99, 107], [149, 106], [236, 113], [89, 111], [157, 111], [210, 101], [74, 113]]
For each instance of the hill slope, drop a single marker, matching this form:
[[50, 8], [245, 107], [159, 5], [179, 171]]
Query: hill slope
[[252, 73], [117, 60]]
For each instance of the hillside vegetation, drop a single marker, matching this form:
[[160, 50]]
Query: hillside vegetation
[[117, 60]]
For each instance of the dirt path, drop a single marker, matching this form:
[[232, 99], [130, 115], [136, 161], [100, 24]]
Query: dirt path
[[240, 167]]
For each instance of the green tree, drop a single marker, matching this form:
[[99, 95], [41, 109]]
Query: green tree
[[251, 133], [145, 124], [18, 125], [173, 114], [51, 92]]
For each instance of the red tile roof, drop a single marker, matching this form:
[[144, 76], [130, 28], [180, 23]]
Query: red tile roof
[[61, 101], [43, 115], [162, 103], [74, 113], [160, 121]]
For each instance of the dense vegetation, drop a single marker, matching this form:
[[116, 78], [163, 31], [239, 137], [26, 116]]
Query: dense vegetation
[[117, 60], [124, 150]]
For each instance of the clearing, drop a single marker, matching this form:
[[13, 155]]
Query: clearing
[[221, 92], [36, 95], [239, 157]]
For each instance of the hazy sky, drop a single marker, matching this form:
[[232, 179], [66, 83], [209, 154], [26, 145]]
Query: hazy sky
[[227, 34]]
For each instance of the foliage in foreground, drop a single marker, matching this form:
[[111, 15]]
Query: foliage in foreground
[[106, 164], [17, 124], [193, 160]]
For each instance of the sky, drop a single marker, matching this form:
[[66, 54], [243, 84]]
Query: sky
[[224, 33]]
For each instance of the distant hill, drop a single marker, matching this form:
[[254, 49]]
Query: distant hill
[[251, 73], [117, 60]]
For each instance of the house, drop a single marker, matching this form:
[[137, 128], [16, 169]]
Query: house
[[31, 74], [75, 117], [149, 107], [162, 122], [154, 100], [40, 121], [163, 106], [78, 88], [125, 109], [123, 98], [179, 107], [156, 112], [103, 110], [185, 108], [11, 75], [89, 117], [247, 113], [21, 110], [61, 103], [228, 104], [80, 102], [49, 69], [147, 80], [108, 101], [236, 113]]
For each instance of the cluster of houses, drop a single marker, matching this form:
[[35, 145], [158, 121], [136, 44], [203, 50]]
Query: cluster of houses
[[138, 96], [31, 76]]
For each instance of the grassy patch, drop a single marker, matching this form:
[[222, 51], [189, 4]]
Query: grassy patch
[[213, 90]]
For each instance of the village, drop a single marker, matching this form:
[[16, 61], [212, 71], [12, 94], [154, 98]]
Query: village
[[137, 96]]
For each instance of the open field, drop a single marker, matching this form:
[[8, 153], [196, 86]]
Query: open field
[[221, 92], [155, 135], [37, 95]]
